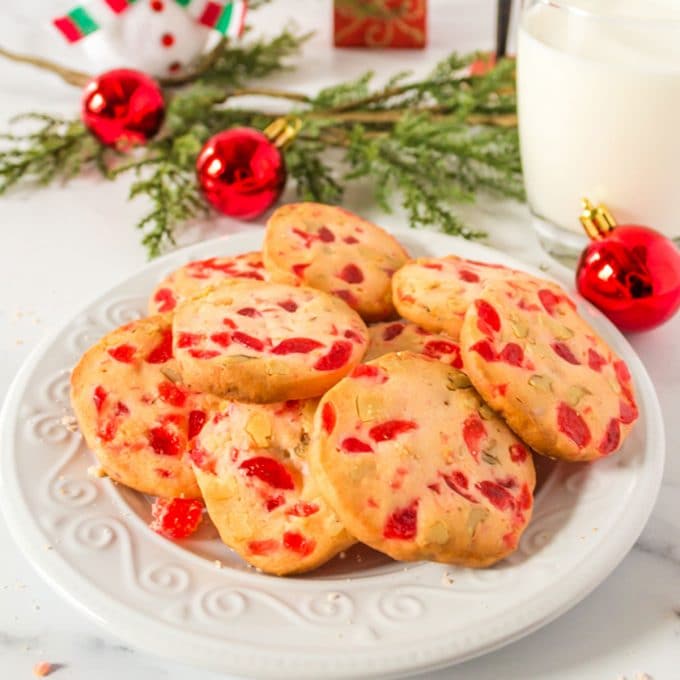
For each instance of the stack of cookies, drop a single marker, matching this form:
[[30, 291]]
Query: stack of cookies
[[282, 390]]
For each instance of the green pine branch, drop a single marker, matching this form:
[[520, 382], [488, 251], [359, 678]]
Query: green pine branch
[[425, 143]]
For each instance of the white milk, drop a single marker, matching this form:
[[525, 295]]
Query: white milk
[[599, 110]]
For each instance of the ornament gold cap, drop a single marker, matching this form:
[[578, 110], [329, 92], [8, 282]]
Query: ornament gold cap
[[597, 221], [282, 131]]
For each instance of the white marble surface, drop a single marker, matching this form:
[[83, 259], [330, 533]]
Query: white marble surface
[[63, 245]]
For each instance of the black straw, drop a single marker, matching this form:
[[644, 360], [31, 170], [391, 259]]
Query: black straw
[[502, 26]]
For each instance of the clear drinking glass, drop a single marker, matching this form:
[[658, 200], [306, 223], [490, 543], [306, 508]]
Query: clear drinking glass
[[599, 114]]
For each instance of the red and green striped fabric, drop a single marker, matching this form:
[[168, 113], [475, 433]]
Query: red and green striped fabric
[[226, 18]]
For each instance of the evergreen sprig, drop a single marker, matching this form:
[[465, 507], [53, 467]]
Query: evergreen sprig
[[426, 142]]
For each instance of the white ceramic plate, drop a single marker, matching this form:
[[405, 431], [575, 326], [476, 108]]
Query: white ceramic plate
[[363, 615]]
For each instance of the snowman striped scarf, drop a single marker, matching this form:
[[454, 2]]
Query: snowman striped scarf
[[225, 17]]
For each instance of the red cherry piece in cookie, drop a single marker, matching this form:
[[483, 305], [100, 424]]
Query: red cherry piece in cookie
[[269, 471], [303, 509], [484, 349], [328, 417], [164, 441], [468, 276], [299, 269], [498, 495], [273, 503], [264, 547], [351, 274], [611, 439], [123, 353], [347, 296], [165, 300], [296, 346], [570, 423], [338, 355], [203, 353], [171, 394], [549, 300], [474, 433], [248, 341], [392, 331], [595, 360], [326, 235], [222, 339], [628, 413], [488, 320], [176, 518], [458, 482], [354, 445], [562, 350], [99, 397], [390, 429], [292, 540], [162, 352], [438, 348], [518, 453], [402, 524], [250, 312], [370, 372], [512, 354], [288, 305], [196, 422]]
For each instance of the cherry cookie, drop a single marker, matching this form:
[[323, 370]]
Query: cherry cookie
[[435, 292], [251, 464], [418, 467], [545, 370], [192, 278], [133, 412], [401, 336], [266, 342], [331, 249]]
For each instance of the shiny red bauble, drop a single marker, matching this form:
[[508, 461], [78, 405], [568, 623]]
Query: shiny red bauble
[[123, 108], [241, 172], [633, 275]]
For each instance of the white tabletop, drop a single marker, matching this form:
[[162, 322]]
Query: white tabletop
[[63, 245]]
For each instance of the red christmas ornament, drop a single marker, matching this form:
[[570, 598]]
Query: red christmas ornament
[[123, 108], [630, 272], [241, 171]]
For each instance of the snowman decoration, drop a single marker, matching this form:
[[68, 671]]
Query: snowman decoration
[[160, 37]]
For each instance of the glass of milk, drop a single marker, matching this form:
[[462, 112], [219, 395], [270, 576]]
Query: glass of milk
[[598, 85]]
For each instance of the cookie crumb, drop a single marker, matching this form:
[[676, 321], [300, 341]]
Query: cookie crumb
[[42, 669], [447, 578], [70, 423], [333, 596], [218, 563], [96, 471], [342, 555]]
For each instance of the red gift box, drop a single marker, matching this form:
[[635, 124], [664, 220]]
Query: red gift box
[[380, 23]]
